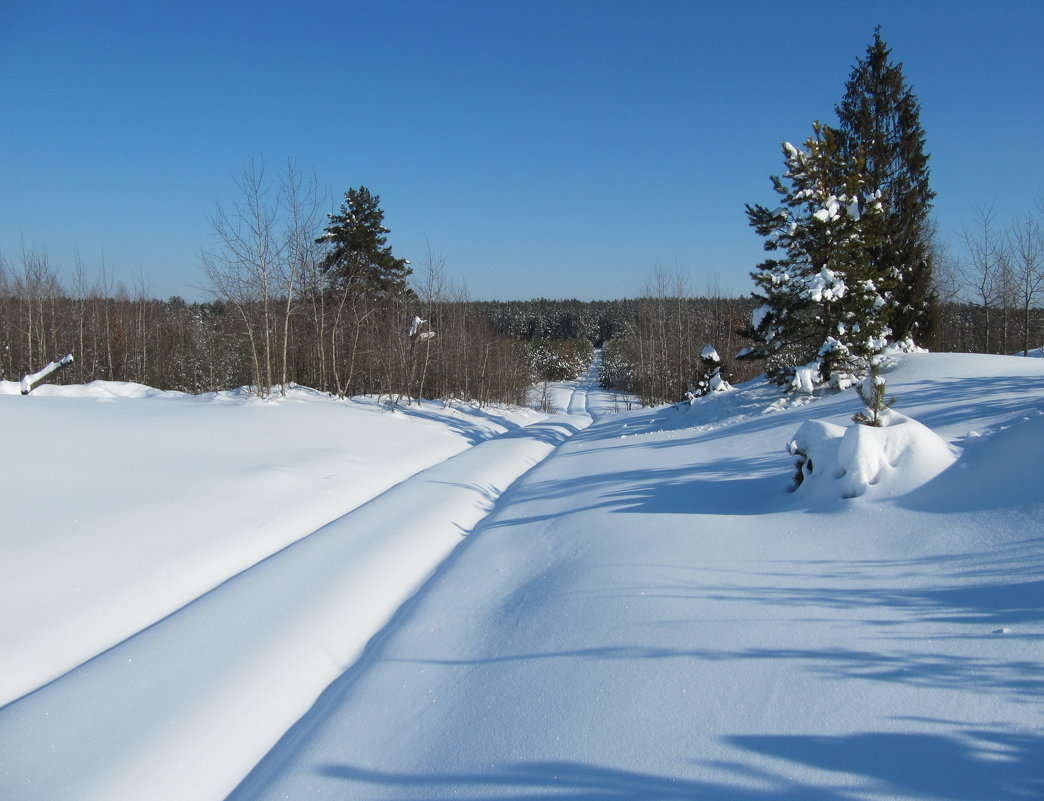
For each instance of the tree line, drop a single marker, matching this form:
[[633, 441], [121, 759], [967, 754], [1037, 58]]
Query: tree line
[[426, 340], [994, 286], [488, 351]]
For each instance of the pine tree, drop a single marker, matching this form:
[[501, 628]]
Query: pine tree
[[872, 391], [359, 260], [819, 299], [879, 122]]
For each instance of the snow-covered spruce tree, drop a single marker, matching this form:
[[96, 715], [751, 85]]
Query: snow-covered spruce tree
[[710, 378], [879, 123], [819, 300]]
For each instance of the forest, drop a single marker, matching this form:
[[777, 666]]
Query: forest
[[485, 351]]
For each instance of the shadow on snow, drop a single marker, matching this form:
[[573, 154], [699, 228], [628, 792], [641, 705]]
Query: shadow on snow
[[976, 765]]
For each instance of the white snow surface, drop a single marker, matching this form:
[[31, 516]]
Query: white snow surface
[[218, 597]]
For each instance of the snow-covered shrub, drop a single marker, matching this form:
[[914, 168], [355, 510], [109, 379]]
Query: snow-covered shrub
[[710, 378], [805, 377], [815, 446], [892, 459]]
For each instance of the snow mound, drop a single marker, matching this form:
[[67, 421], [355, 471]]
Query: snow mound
[[718, 384], [886, 461], [102, 390]]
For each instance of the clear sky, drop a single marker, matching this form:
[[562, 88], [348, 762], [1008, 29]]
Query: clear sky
[[555, 148]]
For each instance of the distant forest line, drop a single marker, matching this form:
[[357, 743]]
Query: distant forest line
[[484, 351]]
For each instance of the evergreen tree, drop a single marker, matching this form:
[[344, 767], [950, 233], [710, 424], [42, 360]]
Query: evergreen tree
[[710, 378], [879, 122], [359, 260], [819, 300]]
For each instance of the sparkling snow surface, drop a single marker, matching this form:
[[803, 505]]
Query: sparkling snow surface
[[626, 605]]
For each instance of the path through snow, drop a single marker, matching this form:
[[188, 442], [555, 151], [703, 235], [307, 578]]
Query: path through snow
[[263, 645]]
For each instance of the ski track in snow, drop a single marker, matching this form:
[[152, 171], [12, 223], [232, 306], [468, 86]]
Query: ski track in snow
[[264, 644], [119, 540]]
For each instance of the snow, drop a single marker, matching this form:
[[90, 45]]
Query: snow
[[758, 316], [830, 212], [805, 378], [826, 285], [222, 597], [892, 459], [718, 384], [164, 496]]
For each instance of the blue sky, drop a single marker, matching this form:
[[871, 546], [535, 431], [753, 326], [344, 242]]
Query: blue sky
[[546, 148]]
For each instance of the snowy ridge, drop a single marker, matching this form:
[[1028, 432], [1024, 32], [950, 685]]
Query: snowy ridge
[[134, 537]]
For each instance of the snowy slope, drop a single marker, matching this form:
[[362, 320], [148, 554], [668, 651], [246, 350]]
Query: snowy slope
[[647, 613], [650, 614], [123, 503]]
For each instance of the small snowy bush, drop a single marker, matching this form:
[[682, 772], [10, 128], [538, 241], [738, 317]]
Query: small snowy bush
[[872, 392], [815, 444], [891, 459], [710, 378]]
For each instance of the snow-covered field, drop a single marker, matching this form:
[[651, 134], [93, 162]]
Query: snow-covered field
[[219, 597]]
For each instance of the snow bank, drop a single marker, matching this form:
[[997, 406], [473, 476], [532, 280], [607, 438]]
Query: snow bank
[[214, 685], [123, 502], [893, 459]]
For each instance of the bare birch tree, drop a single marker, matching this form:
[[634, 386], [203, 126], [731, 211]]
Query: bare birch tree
[[1027, 258], [983, 267]]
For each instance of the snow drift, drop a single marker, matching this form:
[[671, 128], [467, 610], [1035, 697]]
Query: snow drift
[[894, 458]]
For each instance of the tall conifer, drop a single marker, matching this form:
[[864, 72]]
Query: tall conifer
[[359, 260], [879, 121], [819, 300]]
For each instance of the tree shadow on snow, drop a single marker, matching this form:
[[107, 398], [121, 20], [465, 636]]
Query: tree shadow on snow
[[472, 434], [573, 781], [726, 486], [979, 764], [702, 489]]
